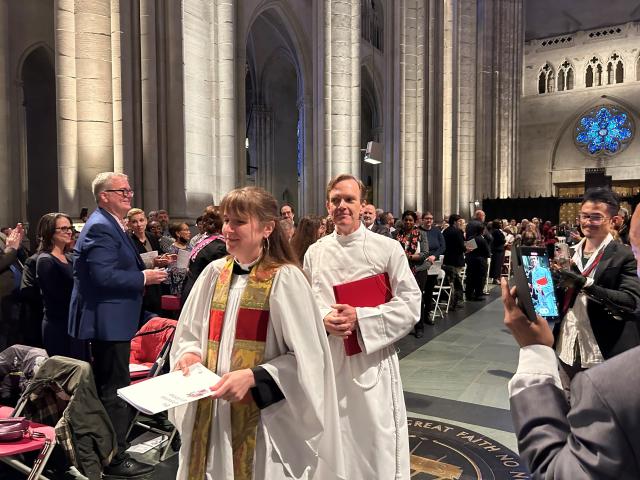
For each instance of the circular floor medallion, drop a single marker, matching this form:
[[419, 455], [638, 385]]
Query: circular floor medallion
[[441, 451]]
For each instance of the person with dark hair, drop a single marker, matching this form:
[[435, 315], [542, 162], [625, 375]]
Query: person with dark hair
[[373, 416], [252, 319], [287, 212], [600, 292], [476, 260], [416, 248], [454, 257], [497, 251], [307, 233], [594, 437], [210, 248], [54, 274], [200, 235], [181, 234]]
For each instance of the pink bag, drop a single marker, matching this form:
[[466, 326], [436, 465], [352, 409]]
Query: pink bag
[[13, 429]]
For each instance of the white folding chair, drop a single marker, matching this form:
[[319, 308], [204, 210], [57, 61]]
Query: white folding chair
[[440, 288], [486, 282]]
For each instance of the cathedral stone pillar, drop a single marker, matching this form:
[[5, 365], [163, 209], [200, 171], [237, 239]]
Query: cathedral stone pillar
[[341, 34], [148, 104], [261, 145], [85, 100], [209, 101], [6, 169], [499, 88], [412, 50]]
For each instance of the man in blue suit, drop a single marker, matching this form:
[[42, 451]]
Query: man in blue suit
[[106, 304]]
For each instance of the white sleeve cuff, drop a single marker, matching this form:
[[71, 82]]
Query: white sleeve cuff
[[538, 364], [590, 282]]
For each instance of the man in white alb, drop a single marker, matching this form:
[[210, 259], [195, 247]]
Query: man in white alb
[[372, 411]]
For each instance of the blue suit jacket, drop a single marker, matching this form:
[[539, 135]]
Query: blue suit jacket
[[108, 282]]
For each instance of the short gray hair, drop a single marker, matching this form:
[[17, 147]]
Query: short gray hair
[[102, 182]]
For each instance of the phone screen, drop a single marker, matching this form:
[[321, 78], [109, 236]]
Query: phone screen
[[538, 272]]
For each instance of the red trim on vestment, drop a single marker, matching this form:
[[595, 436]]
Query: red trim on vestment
[[252, 324], [216, 318]]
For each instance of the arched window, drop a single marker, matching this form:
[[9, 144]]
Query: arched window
[[638, 68], [546, 79], [588, 81], [593, 76], [565, 76], [372, 22], [615, 70], [561, 80]]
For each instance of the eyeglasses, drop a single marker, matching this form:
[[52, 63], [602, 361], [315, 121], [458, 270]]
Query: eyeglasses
[[64, 229], [594, 218], [125, 192]]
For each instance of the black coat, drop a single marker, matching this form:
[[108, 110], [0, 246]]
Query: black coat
[[613, 303], [151, 300], [212, 251], [455, 249]]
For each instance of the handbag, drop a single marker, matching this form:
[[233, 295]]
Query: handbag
[[13, 429]]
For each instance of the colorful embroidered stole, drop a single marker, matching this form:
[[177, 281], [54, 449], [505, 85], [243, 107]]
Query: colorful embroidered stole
[[247, 352]]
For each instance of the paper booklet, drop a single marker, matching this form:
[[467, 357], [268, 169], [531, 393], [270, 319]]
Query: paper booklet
[[170, 390], [471, 244]]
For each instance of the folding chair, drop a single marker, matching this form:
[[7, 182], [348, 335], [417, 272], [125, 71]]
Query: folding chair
[[63, 394], [486, 281], [41, 439], [150, 347], [437, 294]]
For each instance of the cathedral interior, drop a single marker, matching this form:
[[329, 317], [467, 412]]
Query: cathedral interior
[[437, 105]]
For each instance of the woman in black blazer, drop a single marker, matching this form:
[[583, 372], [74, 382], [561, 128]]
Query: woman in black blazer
[[145, 243]]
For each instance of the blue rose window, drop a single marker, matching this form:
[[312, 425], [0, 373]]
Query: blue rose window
[[604, 130]]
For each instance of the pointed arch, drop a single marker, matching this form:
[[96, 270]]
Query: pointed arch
[[546, 79]]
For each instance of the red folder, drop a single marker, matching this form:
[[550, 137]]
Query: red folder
[[366, 292]]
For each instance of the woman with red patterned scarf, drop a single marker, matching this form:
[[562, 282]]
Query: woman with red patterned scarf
[[416, 248], [251, 318]]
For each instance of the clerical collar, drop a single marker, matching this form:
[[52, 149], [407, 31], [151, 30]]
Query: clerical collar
[[353, 236], [243, 268]]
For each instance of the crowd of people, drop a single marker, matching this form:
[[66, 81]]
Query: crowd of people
[[256, 286]]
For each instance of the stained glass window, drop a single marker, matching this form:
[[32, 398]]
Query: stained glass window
[[605, 130]]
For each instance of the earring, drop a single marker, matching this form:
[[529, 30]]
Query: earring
[[266, 240]]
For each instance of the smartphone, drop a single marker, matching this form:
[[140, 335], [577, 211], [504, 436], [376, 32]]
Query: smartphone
[[534, 283]]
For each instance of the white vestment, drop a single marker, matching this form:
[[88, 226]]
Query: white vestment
[[370, 398], [298, 437]]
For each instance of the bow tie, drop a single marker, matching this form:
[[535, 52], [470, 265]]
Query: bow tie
[[238, 270]]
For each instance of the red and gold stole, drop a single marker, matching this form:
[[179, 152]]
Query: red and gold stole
[[247, 352]]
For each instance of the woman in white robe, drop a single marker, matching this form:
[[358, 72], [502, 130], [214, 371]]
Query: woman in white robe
[[297, 436]]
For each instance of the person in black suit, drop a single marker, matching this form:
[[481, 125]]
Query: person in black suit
[[598, 434], [454, 256], [109, 278], [600, 292], [476, 260], [497, 251]]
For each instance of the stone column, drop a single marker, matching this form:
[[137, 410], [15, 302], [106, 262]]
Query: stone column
[[341, 87], [261, 145], [499, 89], [411, 102], [448, 180], [7, 176], [84, 97], [148, 104], [209, 99]]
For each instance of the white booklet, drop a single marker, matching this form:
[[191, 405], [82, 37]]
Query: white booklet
[[170, 390], [471, 244]]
